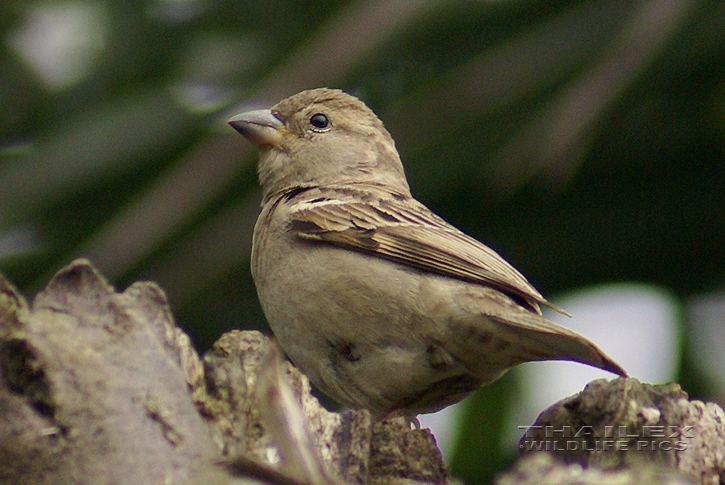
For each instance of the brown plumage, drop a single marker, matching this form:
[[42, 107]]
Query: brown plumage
[[383, 304]]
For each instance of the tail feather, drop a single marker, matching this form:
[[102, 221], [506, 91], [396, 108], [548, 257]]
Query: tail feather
[[492, 343], [546, 340]]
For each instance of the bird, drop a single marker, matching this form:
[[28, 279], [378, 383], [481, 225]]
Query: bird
[[380, 302]]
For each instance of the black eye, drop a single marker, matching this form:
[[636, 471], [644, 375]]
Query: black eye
[[319, 121]]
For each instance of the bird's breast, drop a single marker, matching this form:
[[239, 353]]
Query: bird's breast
[[362, 328]]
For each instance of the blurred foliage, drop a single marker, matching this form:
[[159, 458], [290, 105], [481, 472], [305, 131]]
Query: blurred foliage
[[583, 140]]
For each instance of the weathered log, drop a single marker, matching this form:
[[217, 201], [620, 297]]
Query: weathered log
[[100, 387]]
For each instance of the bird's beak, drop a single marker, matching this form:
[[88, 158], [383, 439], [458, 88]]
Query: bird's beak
[[260, 127]]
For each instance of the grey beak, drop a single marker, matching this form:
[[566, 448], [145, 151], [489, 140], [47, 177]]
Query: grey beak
[[260, 127]]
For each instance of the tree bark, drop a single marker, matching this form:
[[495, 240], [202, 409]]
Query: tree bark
[[100, 387]]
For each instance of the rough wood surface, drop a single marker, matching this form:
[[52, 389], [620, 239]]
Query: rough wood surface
[[623, 422], [101, 387], [93, 386]]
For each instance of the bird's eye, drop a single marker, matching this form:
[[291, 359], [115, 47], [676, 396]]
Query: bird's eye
[[319, 121]]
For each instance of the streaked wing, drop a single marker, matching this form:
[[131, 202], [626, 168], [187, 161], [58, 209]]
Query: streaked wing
[[408, 233]]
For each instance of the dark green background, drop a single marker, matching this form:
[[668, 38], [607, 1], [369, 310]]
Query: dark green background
[[583, 140]]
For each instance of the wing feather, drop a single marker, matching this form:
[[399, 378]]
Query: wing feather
[[408, 233]]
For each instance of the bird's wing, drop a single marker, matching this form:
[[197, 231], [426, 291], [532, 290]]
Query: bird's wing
[[408, 233]]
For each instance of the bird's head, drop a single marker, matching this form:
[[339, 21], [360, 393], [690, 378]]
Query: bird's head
[[321, 137]]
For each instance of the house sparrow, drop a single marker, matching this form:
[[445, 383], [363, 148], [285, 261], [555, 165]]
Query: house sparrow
[[383, 304]]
